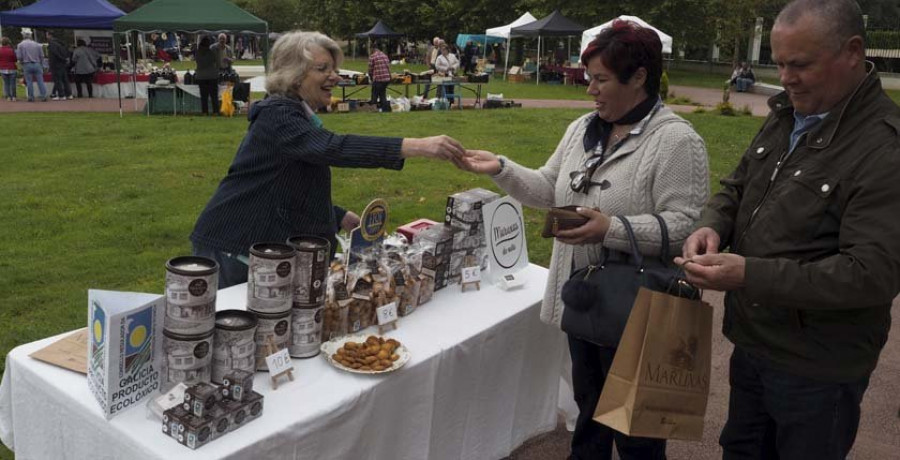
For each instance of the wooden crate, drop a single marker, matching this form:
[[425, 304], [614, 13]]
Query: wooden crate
[[516, 78]]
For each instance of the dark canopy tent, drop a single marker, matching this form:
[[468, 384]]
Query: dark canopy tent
[[553, 25], [195, 16], [380, 30], [63, 14]]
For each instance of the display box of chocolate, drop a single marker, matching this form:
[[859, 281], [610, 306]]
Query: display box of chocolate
[[464, 211], [237, 384], [411, 229], [437, 243], [125, 354], [219, 416]]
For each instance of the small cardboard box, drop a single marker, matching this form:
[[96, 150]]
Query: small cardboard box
[[124, 348], [343, 107]]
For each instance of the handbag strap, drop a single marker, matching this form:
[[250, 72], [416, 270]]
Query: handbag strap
[[636, 255]]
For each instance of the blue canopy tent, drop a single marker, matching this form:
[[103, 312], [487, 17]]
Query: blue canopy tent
[[63, 14], [485, 40]]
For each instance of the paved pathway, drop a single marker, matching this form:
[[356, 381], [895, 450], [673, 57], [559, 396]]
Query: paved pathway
[[707, 98]]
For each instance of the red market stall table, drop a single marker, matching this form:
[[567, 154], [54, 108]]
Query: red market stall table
[[104, 85], [483, 377]]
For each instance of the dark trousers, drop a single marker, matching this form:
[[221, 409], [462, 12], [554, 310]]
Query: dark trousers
[[88, 79], [592, 440], [231, 270], [379, 95], [776, 415], [61, 83], [209, 93]]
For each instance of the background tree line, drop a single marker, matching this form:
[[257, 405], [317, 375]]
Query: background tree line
[[694, 24]]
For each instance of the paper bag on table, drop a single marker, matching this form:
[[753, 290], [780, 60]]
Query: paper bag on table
[[658, 384]]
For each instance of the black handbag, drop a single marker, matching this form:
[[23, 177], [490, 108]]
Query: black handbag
[[598, 298]]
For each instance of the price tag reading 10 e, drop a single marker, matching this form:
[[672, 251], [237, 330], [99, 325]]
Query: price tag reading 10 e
[[279, 362], [387, 313]]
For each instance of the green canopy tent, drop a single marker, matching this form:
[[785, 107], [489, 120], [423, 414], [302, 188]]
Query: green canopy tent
[[195, 16]]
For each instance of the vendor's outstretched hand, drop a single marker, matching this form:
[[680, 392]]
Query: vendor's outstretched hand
[[592, 232], [440, 147], [481, 162]]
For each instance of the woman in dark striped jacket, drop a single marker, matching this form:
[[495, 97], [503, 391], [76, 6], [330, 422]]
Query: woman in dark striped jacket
[[279, 184]]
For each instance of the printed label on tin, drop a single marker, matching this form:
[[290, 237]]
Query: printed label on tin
[[306, 331], [269, 284], [278, 331], [188, 361], [190, 303], [233, 350]]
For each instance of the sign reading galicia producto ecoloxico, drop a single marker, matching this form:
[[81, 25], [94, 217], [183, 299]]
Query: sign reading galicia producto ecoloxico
[[125, 347], [504, 232]]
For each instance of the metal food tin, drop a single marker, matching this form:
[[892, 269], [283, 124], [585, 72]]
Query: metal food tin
[[235, 343], [188, 358], [306, 331], [275, 327], [310, 270], [191, 286], [270, 278]]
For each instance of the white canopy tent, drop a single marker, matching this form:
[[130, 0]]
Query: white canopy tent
[[589, 34], [503, 32]]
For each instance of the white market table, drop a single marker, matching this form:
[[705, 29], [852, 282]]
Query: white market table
[[483, 378]]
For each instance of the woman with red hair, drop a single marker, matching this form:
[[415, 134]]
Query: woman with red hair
[[631, 157]]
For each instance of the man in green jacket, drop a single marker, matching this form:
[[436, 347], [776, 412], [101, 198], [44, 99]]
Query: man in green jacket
[[811, 218]]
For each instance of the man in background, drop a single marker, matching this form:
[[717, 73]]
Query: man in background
[[223, 52], [31, 55], [59, 68], [380, 73]]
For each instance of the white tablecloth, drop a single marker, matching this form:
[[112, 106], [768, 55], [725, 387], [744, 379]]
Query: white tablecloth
[[483, 378], [110, 91]]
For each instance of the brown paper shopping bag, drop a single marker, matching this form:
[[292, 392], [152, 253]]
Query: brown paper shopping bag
[[658, 384]]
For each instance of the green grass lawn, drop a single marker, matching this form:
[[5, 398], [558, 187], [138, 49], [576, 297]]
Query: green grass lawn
[[94, 201]]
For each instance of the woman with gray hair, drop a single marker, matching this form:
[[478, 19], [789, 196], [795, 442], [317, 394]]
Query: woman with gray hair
[[279, 184]]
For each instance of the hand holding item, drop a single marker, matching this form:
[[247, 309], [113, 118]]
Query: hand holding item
[[704, 240], [440, 147], [719, 272], [480, 162], [350, 221], [591, 232]]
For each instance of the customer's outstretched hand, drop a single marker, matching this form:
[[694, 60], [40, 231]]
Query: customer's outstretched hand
[[481, 162]]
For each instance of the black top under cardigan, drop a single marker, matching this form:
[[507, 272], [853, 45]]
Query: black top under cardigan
[[279, 184]]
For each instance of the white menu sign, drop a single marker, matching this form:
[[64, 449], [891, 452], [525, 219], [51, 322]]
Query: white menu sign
[[504, 228]]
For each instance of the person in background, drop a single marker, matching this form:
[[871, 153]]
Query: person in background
[[649, 161], [744, 78], [810, 217], [206, 76], [224, 55], [447, 65], [59, 68], [380, 73], [31, 55], [434, 50], [469, 57], [279, 184], [84, 62], [8, 69]]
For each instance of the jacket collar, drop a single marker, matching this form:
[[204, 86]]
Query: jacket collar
[[820, 137]]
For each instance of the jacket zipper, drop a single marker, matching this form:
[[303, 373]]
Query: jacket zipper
[[778, 165]]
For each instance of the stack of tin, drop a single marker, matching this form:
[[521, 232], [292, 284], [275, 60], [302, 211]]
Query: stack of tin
[[309, 294], [191, 286], [234, 344], [270, 288]]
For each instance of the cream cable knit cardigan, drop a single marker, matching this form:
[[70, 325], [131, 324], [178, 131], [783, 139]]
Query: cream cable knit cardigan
[[663, 170]]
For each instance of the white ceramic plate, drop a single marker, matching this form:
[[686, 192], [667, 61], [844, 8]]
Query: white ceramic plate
[[330, 347]]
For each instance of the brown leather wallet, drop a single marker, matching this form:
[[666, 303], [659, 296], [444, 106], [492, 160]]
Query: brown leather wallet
[[562, 218]]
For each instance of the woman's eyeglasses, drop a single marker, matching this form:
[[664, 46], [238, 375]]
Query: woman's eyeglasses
[[581, 179]]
